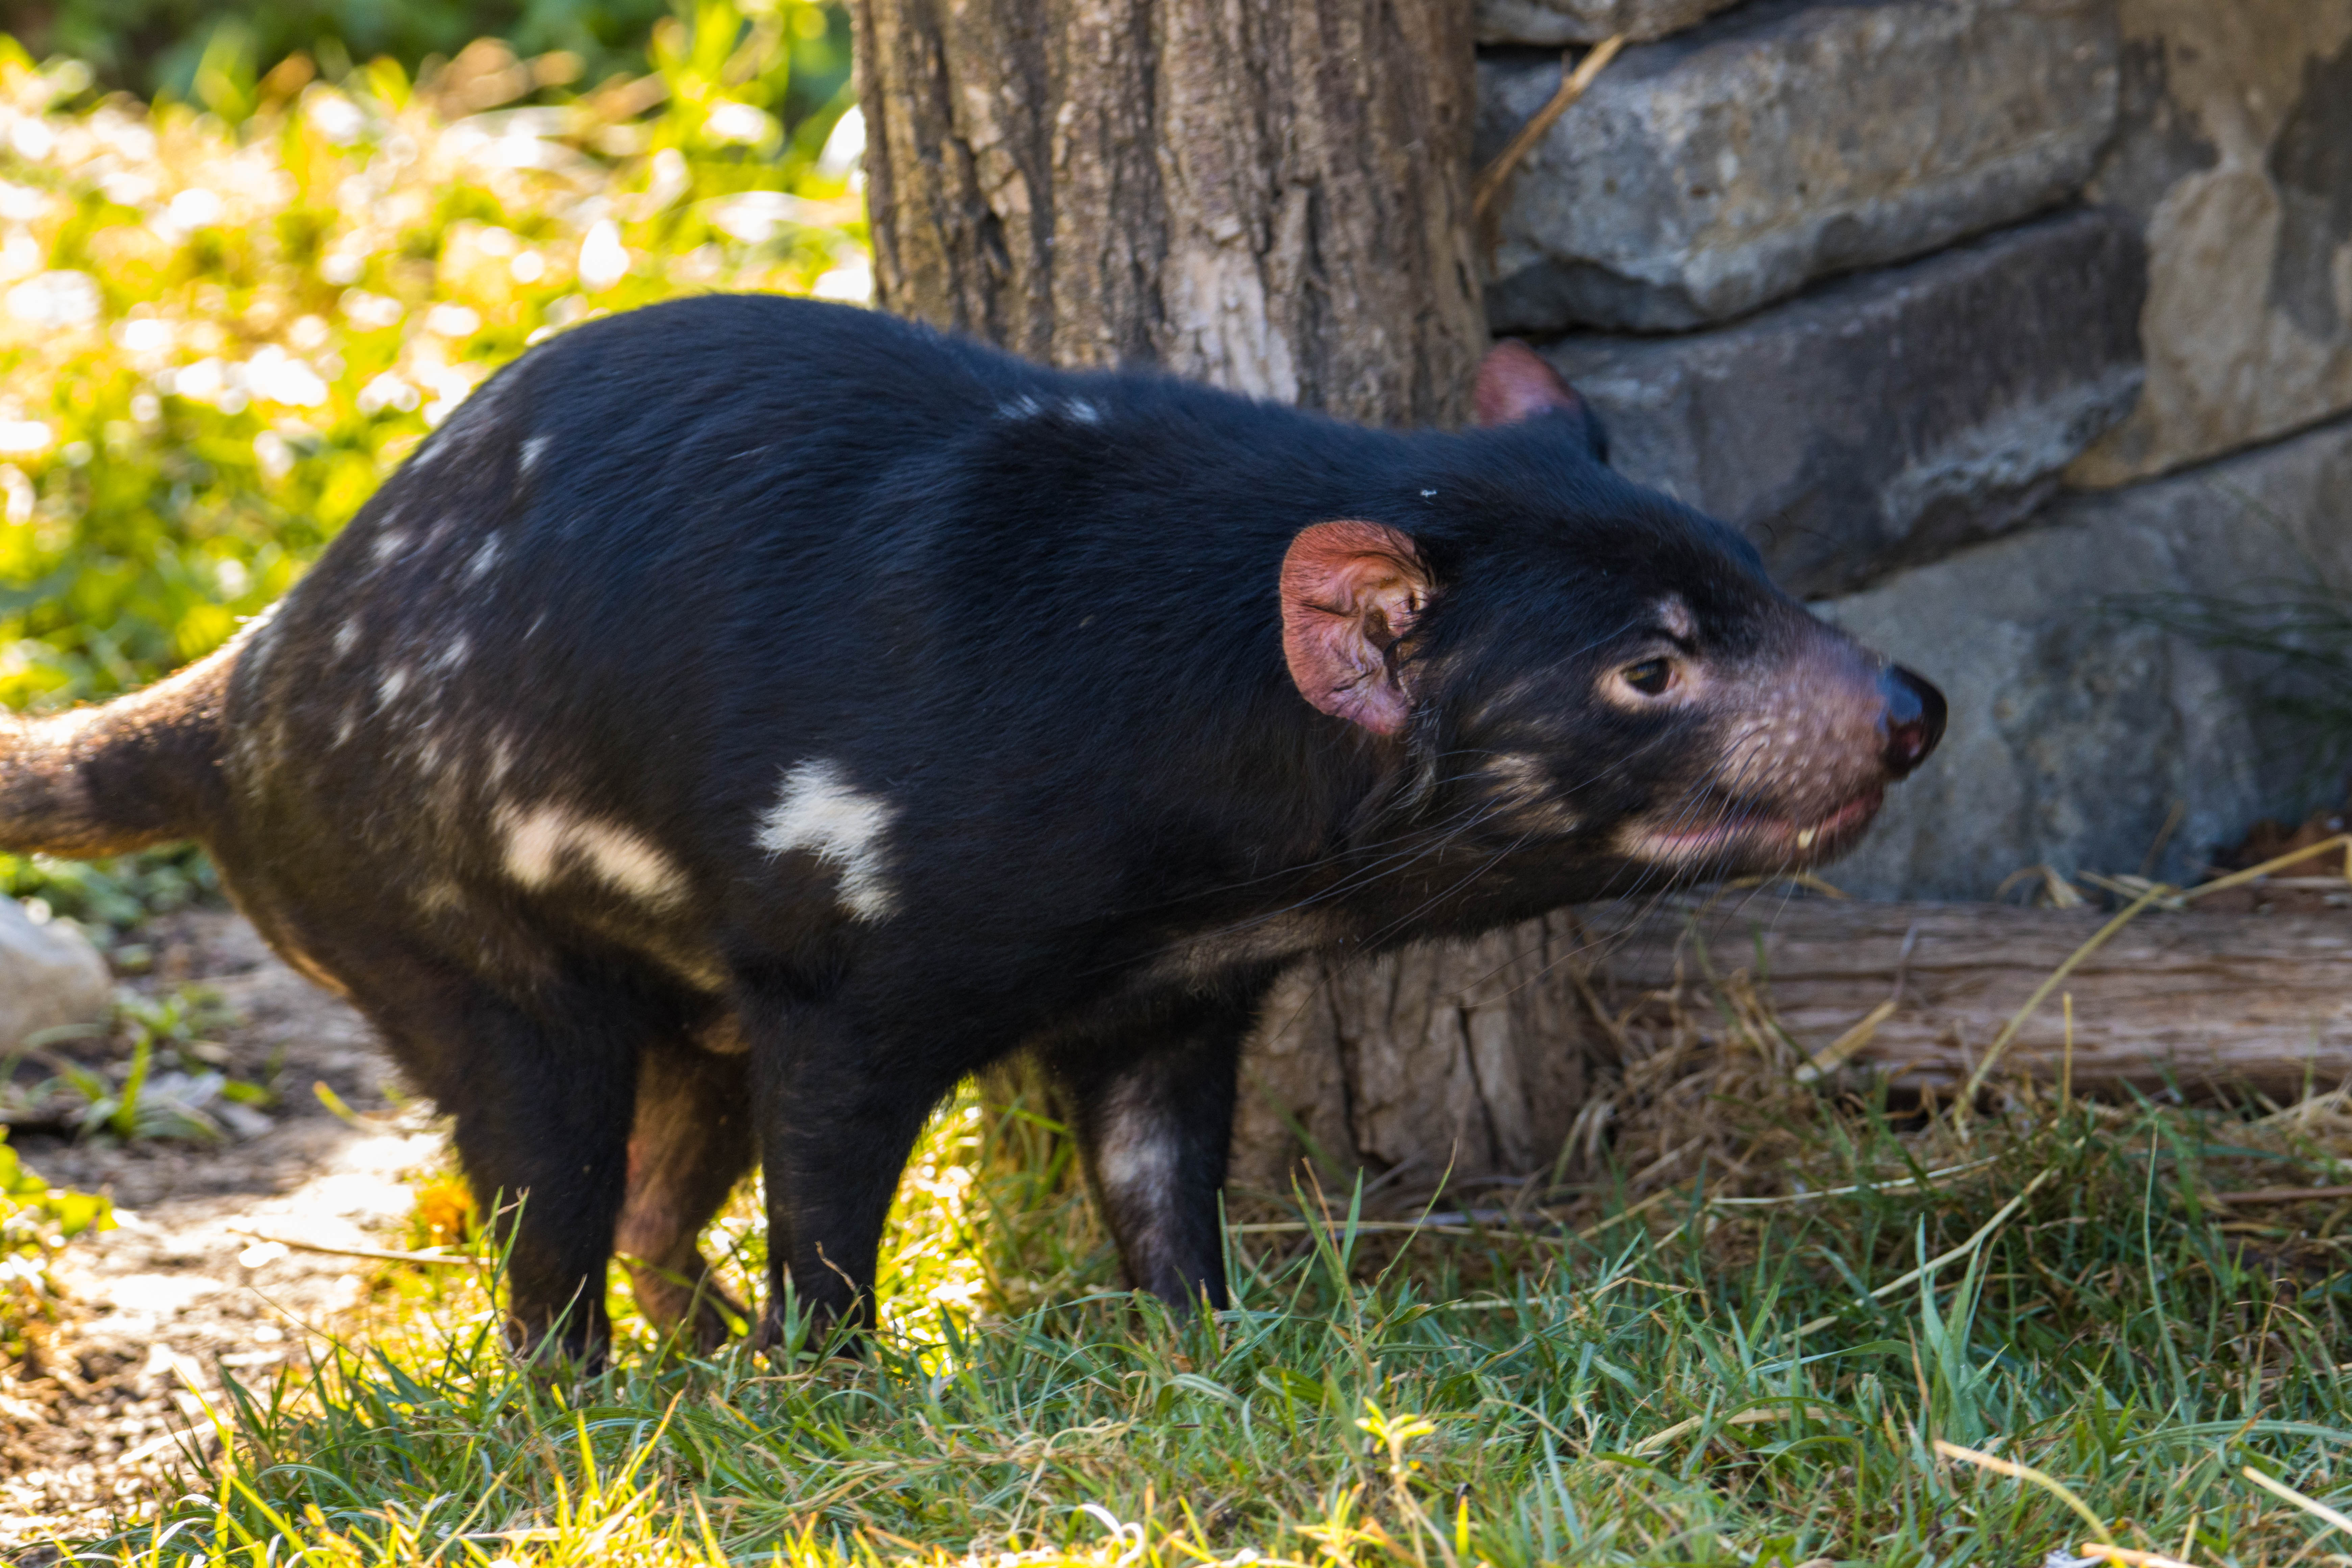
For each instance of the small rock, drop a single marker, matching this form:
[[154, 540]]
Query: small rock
[[1875, 421], [1723, 168], [51, 976], [241, 1119]]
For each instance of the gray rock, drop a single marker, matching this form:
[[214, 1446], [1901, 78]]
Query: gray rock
[[1707, 175], [2077, 724], [1559, 22], [2234, 151], [49, 976], [1888, 417]]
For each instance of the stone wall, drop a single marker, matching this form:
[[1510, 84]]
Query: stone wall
[[1993, 322]]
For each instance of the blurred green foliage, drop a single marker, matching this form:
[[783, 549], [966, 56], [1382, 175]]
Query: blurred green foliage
[[220, 329], [171, 48], [36, 1220]]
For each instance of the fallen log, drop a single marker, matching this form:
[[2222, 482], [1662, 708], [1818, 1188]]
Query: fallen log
[[1479, 1057], [2207, 1003]]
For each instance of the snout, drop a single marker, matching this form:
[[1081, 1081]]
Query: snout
[[1913, 720]]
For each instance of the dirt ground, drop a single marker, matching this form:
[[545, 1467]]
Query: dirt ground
[[198, 1278]]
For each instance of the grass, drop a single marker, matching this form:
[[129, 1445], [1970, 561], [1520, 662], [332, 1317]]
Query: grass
[[1705, 1382]]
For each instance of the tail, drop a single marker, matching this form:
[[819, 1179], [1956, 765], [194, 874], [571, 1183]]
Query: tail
[[141, 770]]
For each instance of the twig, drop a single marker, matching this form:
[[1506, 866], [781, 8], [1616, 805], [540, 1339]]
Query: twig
[[2048, 1483], [2279, 1195], [1489, 183], [2130, 1556], [1927, 1270], [1830, 1057], [2311, 1506], [379, 1254]]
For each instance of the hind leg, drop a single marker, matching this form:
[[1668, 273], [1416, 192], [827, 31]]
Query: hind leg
[[690, 1143], [543, 1101]]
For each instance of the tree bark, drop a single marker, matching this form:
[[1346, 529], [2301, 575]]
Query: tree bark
[[1270, 196]]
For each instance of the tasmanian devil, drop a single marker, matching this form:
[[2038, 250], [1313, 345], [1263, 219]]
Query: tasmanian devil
[[746, 717]]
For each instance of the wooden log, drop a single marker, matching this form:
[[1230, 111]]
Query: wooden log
[[1479, 1059], [2205, 1002]]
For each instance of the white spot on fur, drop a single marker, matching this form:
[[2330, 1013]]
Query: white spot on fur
[[820, 813], [531, 450], [1136, 1155], [388, 546], [389, 686], [1675, 616], [347, 636], [542, 844], [1021, 407], [455, 654], [1084, 412], [484, 559], [502, 759], [344, 726]]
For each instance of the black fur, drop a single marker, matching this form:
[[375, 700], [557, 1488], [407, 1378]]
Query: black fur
[[501, 765]]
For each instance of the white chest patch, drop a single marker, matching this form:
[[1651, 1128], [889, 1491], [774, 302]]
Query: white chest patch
[[818, 812], [548, 841]]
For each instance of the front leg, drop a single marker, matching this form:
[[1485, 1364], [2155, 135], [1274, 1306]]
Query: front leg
[[836, 1123], [1153, 1109]]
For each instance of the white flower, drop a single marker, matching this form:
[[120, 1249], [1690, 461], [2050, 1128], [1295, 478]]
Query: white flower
[[371, 313], [333, 116], [603, 259], [144, 336], [388, 391], [852, 283], [277, 377], [741, 122], [453, 321], [195, 207], [276, 456], [845, 146], [755, 216], [56, 299]]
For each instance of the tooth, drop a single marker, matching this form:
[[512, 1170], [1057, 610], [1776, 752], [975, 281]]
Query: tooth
[[1805, 838]]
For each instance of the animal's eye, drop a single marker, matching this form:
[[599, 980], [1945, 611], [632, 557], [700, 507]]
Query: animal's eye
[[1651, 677]]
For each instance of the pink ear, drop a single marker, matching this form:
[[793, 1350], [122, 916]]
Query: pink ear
[[1349, 590], [1515, 383]]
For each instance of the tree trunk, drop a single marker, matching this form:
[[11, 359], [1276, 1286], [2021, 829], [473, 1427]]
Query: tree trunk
[[1270, 196]]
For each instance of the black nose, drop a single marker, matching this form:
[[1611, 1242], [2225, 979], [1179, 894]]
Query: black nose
[[1913, 721]]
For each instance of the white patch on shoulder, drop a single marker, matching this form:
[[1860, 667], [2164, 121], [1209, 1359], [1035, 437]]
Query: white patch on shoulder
[[531, 450], [484, 559], [820, 813], [347, 636], [544, 843]]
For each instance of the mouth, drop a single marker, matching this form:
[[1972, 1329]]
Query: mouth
[[1739, 837]]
